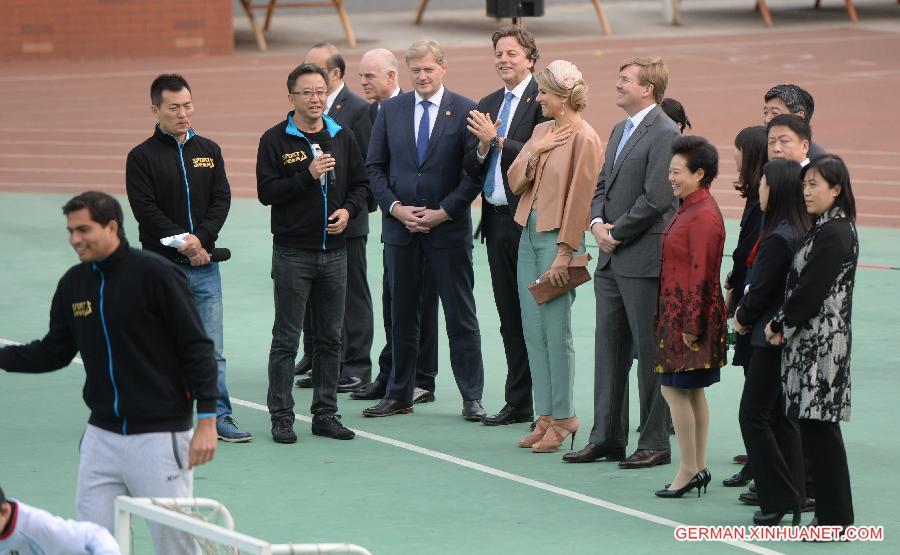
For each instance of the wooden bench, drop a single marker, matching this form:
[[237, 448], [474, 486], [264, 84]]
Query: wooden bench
[[259, 33]]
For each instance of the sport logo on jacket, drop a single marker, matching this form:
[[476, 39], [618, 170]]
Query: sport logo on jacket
[[293, 157], [203, 163], [82, 309]]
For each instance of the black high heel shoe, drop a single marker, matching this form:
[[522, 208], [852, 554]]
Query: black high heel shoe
[[774, 519], [706, 477], [695, 482]]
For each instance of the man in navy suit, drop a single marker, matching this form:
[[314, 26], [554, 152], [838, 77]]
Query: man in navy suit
[[378, 77], [350, 111], [500, 127], [415, 166]]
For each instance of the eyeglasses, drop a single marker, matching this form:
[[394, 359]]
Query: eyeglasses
[[307, 94]]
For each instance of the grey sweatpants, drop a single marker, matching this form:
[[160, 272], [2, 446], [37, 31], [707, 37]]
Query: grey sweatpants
[[139, 465]]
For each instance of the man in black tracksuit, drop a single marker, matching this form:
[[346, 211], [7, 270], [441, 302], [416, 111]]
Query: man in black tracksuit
[[177, 186], [310, 171], [147, 360]]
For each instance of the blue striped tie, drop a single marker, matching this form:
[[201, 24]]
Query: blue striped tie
[[494, 158]]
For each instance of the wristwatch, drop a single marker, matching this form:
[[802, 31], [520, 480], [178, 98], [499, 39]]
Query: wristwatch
[[495, 142]]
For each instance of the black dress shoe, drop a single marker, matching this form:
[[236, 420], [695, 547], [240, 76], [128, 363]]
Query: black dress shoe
[[736, 481], [305, 382], [304, 366], [329, 425], [809, 505], [369, 392], [388, 407], [774, 519], [740, 459], [349, 383], [593, 452], [422, 396], [646, 458], [473, 411], [749, 498], [508, 415]]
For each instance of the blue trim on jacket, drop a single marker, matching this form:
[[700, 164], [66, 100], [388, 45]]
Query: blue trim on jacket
[[187, 186], [112, 377]]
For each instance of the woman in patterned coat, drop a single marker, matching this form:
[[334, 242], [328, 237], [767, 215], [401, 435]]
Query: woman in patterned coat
[[814, 325], [690, 328]]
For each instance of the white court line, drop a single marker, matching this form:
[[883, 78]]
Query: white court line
[[497, 473], [518, 479]]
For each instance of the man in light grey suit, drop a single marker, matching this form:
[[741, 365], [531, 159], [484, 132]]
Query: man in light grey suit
[[631, 206]]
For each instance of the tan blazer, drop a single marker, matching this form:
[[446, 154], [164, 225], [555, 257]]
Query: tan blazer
[[560, 185]]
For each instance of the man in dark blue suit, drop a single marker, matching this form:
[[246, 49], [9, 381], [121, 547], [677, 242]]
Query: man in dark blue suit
[[415, 166]]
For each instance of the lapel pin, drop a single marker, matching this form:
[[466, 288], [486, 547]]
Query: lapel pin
[[528, 99], [337, 106], [448, 113]]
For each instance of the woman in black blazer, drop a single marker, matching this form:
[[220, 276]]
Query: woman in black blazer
[[750, 155], [772, 439]]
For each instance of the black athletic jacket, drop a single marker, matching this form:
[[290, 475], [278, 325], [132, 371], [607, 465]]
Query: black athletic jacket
[[301, 204], [177, 188], [146, 356]]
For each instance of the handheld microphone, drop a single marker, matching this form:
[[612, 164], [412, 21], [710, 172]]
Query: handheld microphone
[[326, 149], [220, 255]]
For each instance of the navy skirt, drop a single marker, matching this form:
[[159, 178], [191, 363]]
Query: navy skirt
[[691, 379]]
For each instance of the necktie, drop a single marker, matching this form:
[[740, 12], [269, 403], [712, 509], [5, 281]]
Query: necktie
[[629, 127], [422, 139], [494, 157]]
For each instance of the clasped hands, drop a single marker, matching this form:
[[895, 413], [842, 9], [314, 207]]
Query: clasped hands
[[419, 219], [194, 251]]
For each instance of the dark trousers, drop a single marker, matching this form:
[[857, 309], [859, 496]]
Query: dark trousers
[[828, 458], [359, 321], [318, 278], [427, 361], [454, 277], [771, 438], [502, 234], [626, 319]]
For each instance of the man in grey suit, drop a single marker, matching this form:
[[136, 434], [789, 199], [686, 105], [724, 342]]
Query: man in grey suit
[[631, 206]]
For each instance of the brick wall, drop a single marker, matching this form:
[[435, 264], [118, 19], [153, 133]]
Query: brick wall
[[91, 29]]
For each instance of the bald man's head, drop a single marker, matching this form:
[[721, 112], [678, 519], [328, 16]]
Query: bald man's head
[[378, 74]]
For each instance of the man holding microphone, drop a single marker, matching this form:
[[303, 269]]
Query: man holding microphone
[[310, 171]]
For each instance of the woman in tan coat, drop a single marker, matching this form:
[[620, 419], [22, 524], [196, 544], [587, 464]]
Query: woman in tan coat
[[555, 175]]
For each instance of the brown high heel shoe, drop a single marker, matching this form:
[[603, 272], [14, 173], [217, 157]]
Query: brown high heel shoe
[[557, 433], [540, 428]]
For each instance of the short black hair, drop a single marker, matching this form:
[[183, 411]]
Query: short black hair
[[785, 203], [102, 207], [699, 154], [336, 59], [304, 69], [753, 143], [795, 123], [833, 170], [794, 97], [676, 113], [166, 82]]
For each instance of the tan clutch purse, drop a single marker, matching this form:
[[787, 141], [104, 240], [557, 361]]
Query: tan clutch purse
[[543, 291]]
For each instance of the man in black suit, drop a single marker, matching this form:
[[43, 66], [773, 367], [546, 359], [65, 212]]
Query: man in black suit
[[378, 76], [415, 164], [349, 110], [791, 99], [499, 127]]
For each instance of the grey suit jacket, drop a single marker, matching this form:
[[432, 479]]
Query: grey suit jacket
[[634, 194]]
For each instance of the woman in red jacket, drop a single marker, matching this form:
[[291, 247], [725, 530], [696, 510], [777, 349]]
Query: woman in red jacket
[[691, 320]]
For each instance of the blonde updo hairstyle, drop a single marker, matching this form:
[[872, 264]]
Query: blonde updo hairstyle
[[563, 79]]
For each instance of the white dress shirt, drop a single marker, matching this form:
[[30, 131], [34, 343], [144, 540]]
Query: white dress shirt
[[432, 111], [331, 98], [498, 196]]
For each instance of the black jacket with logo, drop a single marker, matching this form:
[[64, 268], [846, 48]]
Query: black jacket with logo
[[146, 356], [177, 188], [301, 204]]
